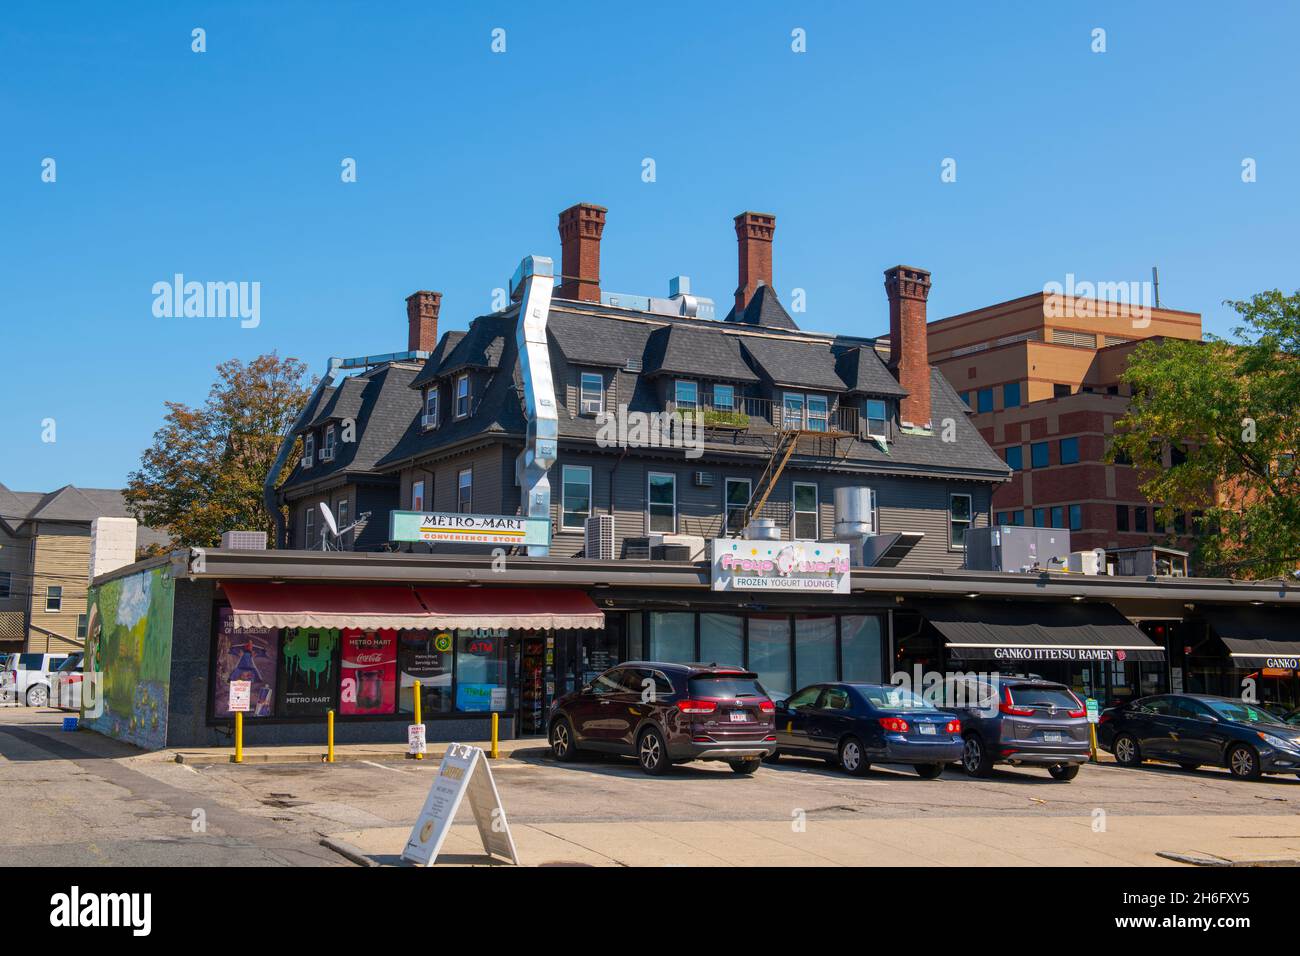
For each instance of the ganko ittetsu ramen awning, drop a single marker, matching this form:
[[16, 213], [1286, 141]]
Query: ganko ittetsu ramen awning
[[1039, 632], [1258, 635], [258, 604]]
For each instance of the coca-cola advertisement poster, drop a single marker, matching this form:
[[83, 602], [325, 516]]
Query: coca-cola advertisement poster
[[246, 654], [310, 671], [369, 684]]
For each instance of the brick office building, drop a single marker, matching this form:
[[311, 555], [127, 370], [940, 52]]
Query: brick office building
[[1041, 375]]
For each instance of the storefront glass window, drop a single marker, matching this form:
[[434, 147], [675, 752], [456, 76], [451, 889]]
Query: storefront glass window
[[481, 682], [424, 656], [672, 637], [635, 638], [860, 641], [247, 654], [369, 673], [814, 649], [722, 638], [769, 653], [309, 672]]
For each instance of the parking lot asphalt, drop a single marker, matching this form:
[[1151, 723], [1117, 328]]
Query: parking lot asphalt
[[76, 797]]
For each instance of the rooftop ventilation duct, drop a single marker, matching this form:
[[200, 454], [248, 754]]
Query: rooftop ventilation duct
[[531, 286]]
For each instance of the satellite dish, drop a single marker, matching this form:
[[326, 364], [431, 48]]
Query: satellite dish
[[329, 519]]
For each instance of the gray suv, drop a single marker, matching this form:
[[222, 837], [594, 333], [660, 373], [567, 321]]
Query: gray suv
[[1019, 721]]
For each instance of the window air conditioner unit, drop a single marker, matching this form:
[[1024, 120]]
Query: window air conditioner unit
[[592, 406], [600, 537], [428, 421], [306, 461], [703, 479], [326, 454]]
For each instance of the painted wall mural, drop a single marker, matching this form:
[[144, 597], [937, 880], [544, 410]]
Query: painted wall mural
[[129, 641]]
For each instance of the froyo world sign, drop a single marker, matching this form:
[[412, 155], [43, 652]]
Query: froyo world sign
[[502, 530], [740, 565]]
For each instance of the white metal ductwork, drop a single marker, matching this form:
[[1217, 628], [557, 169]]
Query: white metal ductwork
[[531, 287]]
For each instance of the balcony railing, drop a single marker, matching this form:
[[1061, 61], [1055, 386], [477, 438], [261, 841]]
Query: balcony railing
[[742, 413]]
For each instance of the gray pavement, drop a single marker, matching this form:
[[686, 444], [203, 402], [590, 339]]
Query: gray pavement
[[77, 798]]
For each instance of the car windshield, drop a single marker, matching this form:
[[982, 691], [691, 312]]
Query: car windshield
[[895, 698], [1242, 713], [726, 687], [73, 663]]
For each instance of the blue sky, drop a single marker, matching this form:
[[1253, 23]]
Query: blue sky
[[225, 166]]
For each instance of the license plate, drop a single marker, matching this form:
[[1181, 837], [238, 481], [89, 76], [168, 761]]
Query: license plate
[[926, 729], [739, 716], [1053, 738]]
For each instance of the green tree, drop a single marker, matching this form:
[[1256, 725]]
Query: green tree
[[1235, 407], [203, 474]]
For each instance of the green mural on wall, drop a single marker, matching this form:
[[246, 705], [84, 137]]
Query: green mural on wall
[[129, 642]]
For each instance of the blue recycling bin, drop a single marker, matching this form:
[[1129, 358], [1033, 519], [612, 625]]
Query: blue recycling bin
[[69, 723]]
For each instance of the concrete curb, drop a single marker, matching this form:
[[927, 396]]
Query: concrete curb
[[1221, 861], [194, 759], [348, 851]]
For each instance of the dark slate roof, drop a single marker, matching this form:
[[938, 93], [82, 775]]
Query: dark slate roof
[[386, 407], [437, 357], [590, 339], [70, 503], [764, 309], [343, 401], [864, 371], [794, 361], [682, 350]]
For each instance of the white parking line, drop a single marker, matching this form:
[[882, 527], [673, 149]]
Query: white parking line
[[382, 767]]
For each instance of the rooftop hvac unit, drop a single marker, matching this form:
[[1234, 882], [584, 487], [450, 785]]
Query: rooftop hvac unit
[[1017, 548], [243, 540], [600, 537], [693, 546], [1087, 562]]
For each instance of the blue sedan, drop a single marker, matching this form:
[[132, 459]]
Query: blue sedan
[[855, 725]]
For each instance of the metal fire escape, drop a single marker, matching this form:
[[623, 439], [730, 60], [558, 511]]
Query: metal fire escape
[[782, 448]]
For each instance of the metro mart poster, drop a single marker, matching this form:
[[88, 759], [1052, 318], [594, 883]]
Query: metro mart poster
[[247, 654], [369, 684], [309, 671]]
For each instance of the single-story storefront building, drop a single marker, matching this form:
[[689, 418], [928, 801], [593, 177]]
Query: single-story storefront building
[[351, 632]]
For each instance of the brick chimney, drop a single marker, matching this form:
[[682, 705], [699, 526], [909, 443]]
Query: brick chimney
[[580, 230], [422, 320], [754, 231], [909, 353]]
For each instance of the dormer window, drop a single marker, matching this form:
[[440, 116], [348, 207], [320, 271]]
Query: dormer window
[[877, 418], [686, 394], [308, 449], [806, 412], [724, 398], [462, 396], [818, 413], [327, 454], [591, 393], [430, 417]]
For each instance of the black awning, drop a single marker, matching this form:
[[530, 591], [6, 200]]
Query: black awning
[[1015, 632], [1258, 635]]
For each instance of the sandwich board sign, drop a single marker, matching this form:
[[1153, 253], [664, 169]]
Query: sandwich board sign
[[464, 770]]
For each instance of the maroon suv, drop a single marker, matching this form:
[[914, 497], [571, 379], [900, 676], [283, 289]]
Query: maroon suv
[[664, 714]]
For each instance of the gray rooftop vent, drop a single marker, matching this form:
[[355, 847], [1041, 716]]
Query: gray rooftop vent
[[632, 365]]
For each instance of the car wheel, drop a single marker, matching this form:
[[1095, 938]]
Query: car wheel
[[652, 753], [1243, 762], [1064, 771], [1190, 766], [928, 771], [744, 767], [852, 757], [773, 757], [976, 759], [1127, 751], [562, 745], [38, 696]]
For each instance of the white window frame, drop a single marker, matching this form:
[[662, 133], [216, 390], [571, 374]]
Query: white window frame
[[309, 527], [649, 515], [884, 418], [50, 595], [418, 500], [463, 506], [430, 417], [731, 405], [327, 453], [565, 510], [308, 449], [727, 507], [795, 513], [823, 417], [588, 405], [952, 521], [677, 391], [82, 626], [462, 395], [786, 410]]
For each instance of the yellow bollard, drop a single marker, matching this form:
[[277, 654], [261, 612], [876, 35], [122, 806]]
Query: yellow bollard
[[417, 713], [1092, 733], [495, 752], [239, 737], [329, 740]]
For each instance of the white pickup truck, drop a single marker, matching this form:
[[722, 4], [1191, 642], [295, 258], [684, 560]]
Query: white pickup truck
[[25, 678]]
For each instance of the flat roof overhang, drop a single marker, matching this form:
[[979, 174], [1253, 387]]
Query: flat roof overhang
[[1148, 597]]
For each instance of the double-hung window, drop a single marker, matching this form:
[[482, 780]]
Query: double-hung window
[[575, 508], [804, 527], [960, 515], [737, 492], [592, 393], [818, 413], [724, 398], [661, 503], [417, 496], [54, 598], [308, 449], [329, 444], [465, 491], [430, 419], [686, 394], [792, 405], [877, 418], [462, 396], [309, 528]]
